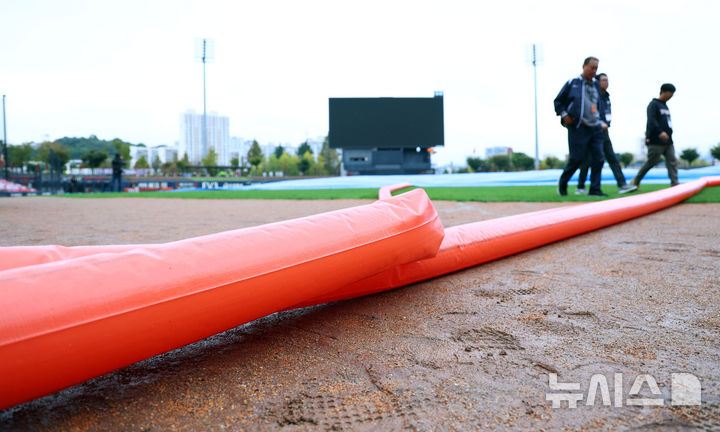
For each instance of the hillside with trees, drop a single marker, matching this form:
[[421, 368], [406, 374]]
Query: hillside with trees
[[89, 150]]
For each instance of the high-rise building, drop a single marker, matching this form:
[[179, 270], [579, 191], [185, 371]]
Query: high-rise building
[[191, 139]]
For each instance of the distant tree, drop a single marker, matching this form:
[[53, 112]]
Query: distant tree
[[273, 165], [61, 152], [93, 159], [304, 148], [19, 155], [79, 146], [210, 160], [715, 152], [183, 163], [522, 162], [289, 164], [279, 150], [500, 163], [235, 162], [551, 162], [330, 158], [475, 163], [142, 163], [305, 163], [259, 169], [156, 164], [255, 154], [689, 155], [121, 147], [626, 159], [318, 168]]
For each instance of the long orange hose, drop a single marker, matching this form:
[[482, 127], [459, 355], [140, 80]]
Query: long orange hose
[[83, 313], [479, 242], [67, 321]]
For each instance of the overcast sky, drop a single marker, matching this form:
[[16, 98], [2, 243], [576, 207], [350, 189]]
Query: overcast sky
[[127, 68]]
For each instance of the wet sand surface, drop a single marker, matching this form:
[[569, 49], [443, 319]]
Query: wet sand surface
[[472, 350]]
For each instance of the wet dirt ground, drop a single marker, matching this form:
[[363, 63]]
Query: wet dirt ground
[[473, 350]]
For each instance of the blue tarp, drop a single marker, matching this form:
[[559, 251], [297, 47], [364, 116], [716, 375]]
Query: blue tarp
[[523, 178]]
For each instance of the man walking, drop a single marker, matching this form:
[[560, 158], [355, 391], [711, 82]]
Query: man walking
[[608, 151], [578, 105], [117, 169], [658, 136]]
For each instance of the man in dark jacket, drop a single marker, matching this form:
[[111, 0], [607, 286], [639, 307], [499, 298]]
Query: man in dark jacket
[[117, 169], [579, 106], [608, 151], [658, 136]]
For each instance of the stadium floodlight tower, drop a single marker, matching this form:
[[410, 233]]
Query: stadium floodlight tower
[[204, 52], [535, 57]]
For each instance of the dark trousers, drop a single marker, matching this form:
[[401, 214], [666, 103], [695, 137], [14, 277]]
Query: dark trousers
[[117, 184], [654, 153], [611, 159], [581, 140]]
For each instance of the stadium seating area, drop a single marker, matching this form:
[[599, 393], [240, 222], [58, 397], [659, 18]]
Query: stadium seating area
[[10, 187]]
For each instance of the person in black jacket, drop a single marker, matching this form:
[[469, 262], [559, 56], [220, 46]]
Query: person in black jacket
[[658, 136], [579, 106], [117, 169], [608, 150]]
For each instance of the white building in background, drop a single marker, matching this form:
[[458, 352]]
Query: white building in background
[[316, 145], [191, 140], [499, 150], [238, 148], [136, 152], [269, 149], [163, 152]]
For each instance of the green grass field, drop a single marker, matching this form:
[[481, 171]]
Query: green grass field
[[483, 194]]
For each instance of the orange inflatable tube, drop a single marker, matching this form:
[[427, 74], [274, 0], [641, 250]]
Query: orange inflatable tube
[[476, 243], [22, 256], [67, 321], [56, 318]]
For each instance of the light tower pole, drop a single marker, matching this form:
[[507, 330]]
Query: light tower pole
[[204, 52], [534, 64], [5, 144], [204, 125]]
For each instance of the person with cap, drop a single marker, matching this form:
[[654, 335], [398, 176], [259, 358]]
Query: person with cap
[[658, 136]]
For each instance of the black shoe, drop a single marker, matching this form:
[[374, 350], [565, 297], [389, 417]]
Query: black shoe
[[562, 190], [598, 193]]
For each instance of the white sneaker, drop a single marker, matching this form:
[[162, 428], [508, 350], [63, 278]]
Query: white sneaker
[[627, 188], [581, 191]]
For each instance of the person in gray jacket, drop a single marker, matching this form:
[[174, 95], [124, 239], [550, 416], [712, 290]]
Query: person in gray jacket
[[658, 136], [608, 150]]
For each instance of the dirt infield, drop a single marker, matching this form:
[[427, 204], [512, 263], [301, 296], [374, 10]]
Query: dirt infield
[[468, 351]]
